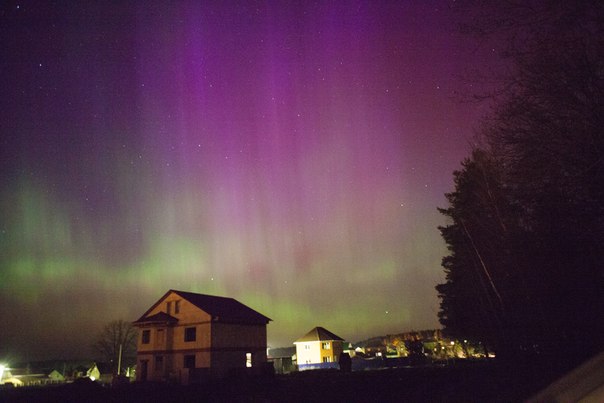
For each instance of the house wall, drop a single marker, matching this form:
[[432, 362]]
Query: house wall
[[232, 342], [337, 348], [172, 345], [308, 352], [312, 352], [237, 335], [188, 316]]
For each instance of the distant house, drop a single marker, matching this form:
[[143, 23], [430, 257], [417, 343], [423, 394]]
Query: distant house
[[56, 377], [317, 349], [100, 372], [375, 347], [184, 335], [24, 376], [7, 378]]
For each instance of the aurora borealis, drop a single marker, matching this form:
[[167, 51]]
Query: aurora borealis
[[289, 156]]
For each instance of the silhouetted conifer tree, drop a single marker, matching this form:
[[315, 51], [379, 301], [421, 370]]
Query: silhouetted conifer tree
[[524, 272]]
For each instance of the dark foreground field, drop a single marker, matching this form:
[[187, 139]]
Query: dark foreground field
[[472, 382]]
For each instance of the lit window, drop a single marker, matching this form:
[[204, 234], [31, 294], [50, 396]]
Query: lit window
[[248, 360], [146, 337], [190, 334], [326, 345]]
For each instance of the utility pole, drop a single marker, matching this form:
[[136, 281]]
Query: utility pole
[[119, 360]]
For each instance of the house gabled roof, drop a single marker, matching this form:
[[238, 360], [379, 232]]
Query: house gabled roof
[[103, 367], [319, 334], [222, 309]]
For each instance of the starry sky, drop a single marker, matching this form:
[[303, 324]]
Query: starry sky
[[290, 155]]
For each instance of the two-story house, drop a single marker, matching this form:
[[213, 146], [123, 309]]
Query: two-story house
[[318, 348], [185, 334]]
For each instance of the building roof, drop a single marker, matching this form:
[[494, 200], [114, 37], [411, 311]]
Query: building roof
[[224, 309], [319, 334], [281, 352], [221, 309], [160, 317]]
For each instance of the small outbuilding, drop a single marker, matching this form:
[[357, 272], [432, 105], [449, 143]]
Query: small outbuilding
[[282, 359]]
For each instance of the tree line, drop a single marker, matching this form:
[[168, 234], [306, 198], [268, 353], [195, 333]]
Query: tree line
[[525, 221]]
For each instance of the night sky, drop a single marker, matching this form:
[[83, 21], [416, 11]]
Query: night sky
[[289, 156]]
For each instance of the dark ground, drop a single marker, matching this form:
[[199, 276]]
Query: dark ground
[[462, 382]]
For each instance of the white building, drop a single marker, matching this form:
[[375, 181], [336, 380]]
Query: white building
[[318, 349]]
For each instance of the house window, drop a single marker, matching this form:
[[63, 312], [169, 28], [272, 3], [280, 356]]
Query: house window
[[248, 360], [168, 307], [189, 361], [190, 334], [160, 336], [326, 345], [177, 306], [146, 337], [326, 359], [306, 347], [159, 363]]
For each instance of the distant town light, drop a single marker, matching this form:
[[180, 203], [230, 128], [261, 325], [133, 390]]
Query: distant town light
[[3, 367]]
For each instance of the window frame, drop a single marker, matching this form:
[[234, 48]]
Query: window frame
[[190, 334], [187, 360]]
